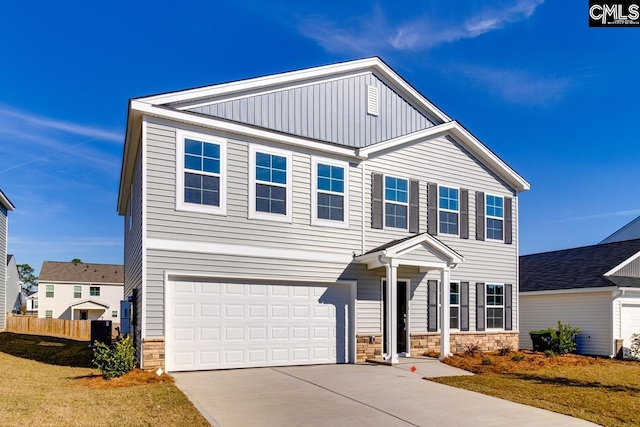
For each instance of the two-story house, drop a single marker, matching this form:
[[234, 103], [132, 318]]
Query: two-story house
[[325, 215], [5, 207]]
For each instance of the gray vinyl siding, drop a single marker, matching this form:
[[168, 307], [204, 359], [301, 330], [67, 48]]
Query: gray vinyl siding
[[133, 242], [630, 270], [164, 222], [589, 311], [3, 266], [332, 111]]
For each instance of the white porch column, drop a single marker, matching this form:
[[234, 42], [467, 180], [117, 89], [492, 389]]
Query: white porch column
[[445, 320], [391, 327]]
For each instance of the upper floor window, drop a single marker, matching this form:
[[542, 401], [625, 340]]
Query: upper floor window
[[495, 306], [454, 305], [200, 172], [49, 291], [396, 197], [270, 187], [449, 208], [77, 291], [330, 184], [94, 291], [495, 217]]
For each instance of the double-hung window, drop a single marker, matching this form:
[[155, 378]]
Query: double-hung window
[[495, 306], [200, 173], [330, 201], [49, 291], [449, 207], [94, 291], [454, 305], [77, 291], [495, 217], [48, 314], [396, 202], [270, 187]]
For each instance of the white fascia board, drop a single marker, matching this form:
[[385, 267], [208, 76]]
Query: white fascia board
[[5, 202], [622, 264], [237, 128], [292, 77], [411, 244], [569, 291], [467, 139]]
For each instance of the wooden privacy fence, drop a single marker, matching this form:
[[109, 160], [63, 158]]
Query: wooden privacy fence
[[75, 329]]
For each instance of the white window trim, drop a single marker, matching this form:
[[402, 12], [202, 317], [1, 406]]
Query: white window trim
[[454, 305], [94, 287], [253, 214], [181, 205], [314, 193], [457, 233], [486, 306], [487, 216], [46, 312], [384, 200], [53, 291], [74, 291]]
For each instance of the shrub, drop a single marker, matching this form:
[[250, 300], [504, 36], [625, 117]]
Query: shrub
[[518, 358], [562, 340], [472, 349], [549, 353], [116, 360], [635, 346], [503, 351], [487, 362]]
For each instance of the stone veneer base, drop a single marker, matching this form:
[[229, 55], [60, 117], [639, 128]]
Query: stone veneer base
[[152, 354]]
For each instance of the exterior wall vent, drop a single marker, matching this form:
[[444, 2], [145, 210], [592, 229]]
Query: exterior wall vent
[[372, 100]]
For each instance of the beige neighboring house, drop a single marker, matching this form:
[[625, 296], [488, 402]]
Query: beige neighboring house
[[80, 291]]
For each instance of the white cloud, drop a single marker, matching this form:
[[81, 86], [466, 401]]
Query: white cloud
[[596, 216]]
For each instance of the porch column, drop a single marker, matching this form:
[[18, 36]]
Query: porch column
[[445, 320], [391, 328]]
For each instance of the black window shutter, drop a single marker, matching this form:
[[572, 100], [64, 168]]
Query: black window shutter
[[479, 215], [414, 206], [464, 214], [508, 307], [508, 220], [479, 306], [432, 209], [432, 300], [376, 201], [464, 306]]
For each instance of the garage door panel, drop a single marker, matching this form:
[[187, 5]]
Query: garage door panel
[[630, 316], [233, 325]]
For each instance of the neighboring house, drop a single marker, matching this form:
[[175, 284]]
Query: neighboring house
[[14, 299], [628, 232], [32, 303], [79, 291], [5, 207], [264, 219], [595, 288]]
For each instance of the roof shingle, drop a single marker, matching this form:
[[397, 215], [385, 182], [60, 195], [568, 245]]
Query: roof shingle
[[55, 271]]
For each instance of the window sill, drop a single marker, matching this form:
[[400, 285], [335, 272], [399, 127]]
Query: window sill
[[270, 217]]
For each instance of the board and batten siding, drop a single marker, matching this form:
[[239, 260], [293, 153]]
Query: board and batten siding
[[332, 111], [592, 312], [3, 265], [164, 222]]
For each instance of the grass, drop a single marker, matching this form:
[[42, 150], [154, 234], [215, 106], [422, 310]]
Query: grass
[[602, 391], [57, 387]]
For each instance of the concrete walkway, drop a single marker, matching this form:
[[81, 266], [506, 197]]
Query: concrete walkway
[[351, 395]]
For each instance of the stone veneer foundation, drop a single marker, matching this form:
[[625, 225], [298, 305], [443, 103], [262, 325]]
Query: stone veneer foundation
[[365, 349], [152, 354], [487, 341]]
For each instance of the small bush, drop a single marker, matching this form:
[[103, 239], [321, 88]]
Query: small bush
[[518, 358], [563, 339], [503, 351], [487, 362], [114, 361], [635, 346], [549, 353], [472, 349]]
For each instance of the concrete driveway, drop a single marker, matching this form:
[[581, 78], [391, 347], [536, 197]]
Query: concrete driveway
[[351, 395]]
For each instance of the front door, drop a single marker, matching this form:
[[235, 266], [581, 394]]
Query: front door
[[402, 315], [83, 315]]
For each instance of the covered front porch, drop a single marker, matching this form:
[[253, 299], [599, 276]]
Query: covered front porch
[[426, 254], [88, 309]]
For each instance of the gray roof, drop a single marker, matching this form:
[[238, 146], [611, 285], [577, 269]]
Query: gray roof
[[577, 268], [627, 232], [53, 271]]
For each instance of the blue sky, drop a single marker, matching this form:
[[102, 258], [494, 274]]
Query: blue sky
[[557, 100]]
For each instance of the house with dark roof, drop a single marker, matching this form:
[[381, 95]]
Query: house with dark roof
[[80, 291], [324, 215], [595, 288], [629, 231], [5, 295]]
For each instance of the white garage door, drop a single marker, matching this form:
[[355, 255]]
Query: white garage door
[[630, 315], [237, 325]]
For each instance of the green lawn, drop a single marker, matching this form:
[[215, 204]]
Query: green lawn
[[48, 382], [605, 392]]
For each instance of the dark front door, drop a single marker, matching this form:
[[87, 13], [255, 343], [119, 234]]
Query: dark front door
[[401, 313], [83, 315]]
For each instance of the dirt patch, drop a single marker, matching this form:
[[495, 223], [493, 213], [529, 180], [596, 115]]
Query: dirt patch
[[518, 361], [136, 377]]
